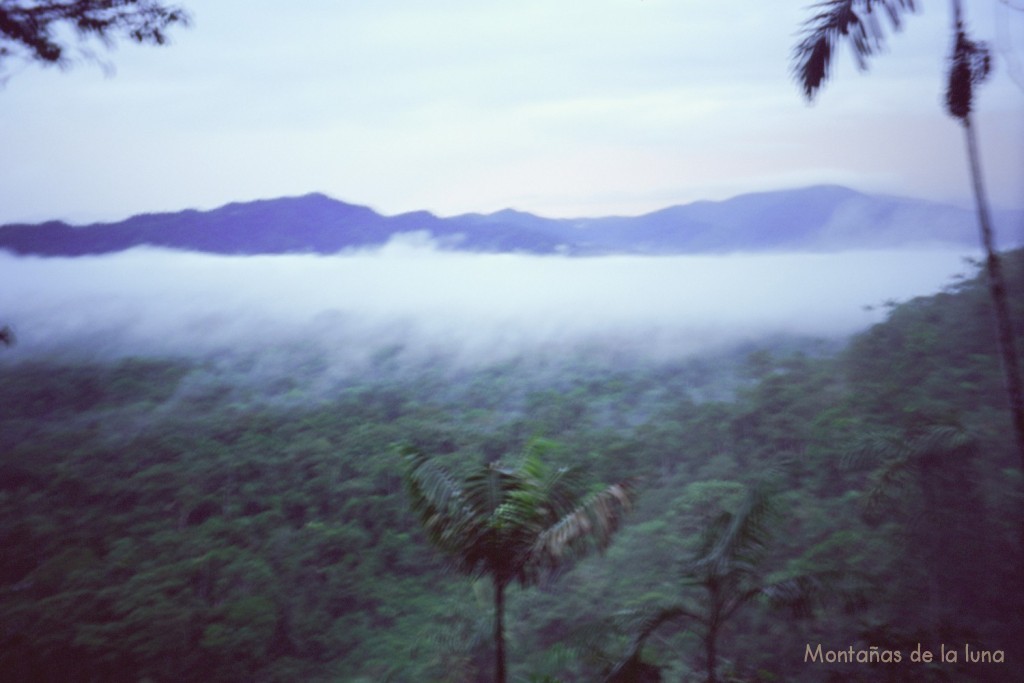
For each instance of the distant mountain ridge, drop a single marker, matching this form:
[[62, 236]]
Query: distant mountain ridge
[[819, 218]]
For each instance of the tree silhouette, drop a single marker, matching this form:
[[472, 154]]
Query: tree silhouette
[[969, 64], [35, 30], [727, 571], [857, 22], [925, 473], [512, 525]]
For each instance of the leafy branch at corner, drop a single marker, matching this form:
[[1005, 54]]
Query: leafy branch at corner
[[35, 30]]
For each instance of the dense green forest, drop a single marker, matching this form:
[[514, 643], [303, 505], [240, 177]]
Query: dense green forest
[[182, 519]]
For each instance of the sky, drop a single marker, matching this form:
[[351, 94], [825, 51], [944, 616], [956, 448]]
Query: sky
[[564, 109]]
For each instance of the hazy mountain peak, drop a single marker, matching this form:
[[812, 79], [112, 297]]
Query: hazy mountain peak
[[819, 218]]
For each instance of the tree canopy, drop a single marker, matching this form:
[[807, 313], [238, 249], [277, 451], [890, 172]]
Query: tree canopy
[[512, 524], [225, 519]]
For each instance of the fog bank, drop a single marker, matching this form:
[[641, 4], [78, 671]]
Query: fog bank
[[477, 307]]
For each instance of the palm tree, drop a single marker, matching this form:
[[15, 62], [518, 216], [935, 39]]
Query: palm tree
[[857, 22], [926, 472], [969, 65], [726, 567], [512, 524]]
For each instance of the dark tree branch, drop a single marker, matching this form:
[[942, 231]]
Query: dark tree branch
[[855, 21], [31, 29]]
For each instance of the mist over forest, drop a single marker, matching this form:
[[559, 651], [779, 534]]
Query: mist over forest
[[202, 473], [475, 308], [724, 391]]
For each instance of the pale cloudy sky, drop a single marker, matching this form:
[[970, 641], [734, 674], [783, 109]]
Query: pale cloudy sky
[[559, 107]]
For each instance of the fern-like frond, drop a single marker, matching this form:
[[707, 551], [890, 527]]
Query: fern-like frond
[[941, 439], [513, 524], [436, 498], [800, 595], [855, 21], [591, 523], [889, 481], [486, 488], [433, 485], [639, 624], [872, 447], [901, 456], [732, 541], [804, 593]]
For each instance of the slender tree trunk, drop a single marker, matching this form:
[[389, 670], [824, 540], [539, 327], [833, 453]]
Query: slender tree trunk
[[1007, 341], [929, 549], [998, 291], [1004, 323], [711, 646], [499, 631], [711, 637]]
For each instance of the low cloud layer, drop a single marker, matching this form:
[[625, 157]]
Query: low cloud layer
[[477, 308]]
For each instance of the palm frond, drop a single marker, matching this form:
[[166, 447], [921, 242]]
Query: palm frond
[[900, 456], [872, 447], [640, 624], [888, 482], [643, 622], [513, 524], [436, 498], [597, 640], [559, 489], [835, 20], [508, 524], [549, 492], [432, 484], [591, 522], [733, 539], [803, 593], [941, 439], [800, 595], [486, 488]]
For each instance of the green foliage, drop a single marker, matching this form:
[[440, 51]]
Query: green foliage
[[726, 566], [512, 524], [172, 519]]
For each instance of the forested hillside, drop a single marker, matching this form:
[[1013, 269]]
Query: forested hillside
[[181, 519]]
